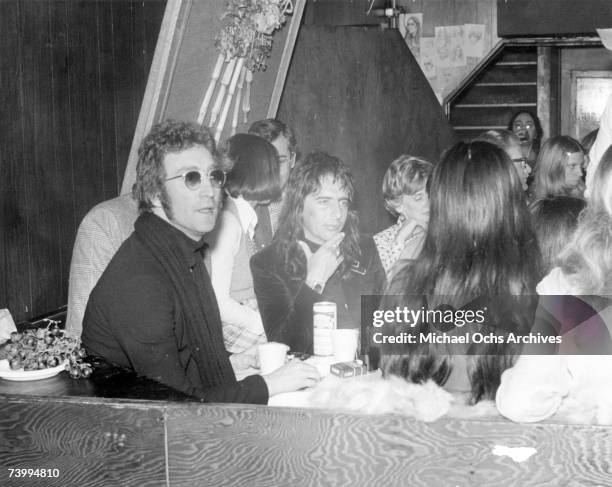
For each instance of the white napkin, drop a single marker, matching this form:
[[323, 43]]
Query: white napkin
[[7, 325]]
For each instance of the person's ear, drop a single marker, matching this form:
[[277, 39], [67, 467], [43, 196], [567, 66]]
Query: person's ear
[[395, 204], [156, 201]]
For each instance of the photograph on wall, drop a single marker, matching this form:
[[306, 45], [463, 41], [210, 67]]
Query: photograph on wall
[[449, 46], [427, 60], [473, 42], [445, 80], [410, 26], [590, 89]]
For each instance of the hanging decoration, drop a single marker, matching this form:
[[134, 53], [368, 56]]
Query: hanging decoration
[[244, 44]]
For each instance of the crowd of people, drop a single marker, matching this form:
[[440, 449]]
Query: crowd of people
[[217, 251]]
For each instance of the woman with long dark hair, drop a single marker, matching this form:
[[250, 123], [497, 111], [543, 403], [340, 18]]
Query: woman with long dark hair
[[554, 220], [510, 144], [253, 180], [479, 243], [526, 126]]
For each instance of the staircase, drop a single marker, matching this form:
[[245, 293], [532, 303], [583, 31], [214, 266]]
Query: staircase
[[502, 84]]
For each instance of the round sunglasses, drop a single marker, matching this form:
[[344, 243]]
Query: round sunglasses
[[193, 178]]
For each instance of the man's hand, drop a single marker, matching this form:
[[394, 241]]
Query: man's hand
[[409, 229], [292, 376], [324, 262]]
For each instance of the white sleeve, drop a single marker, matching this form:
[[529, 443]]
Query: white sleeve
[[534, 388], [601, 144], [222, 258]]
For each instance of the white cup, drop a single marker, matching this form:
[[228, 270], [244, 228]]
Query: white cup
[[345, 341], [272, 356]]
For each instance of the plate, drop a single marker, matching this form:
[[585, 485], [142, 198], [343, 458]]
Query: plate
[[24, 375]]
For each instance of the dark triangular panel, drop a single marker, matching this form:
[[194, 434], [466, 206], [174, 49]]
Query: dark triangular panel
[[358, 93]]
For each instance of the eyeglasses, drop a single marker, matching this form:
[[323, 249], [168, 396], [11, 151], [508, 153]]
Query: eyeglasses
[[526, 125], [193, 178]]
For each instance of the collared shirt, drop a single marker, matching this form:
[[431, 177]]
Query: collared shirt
[[242, 325], [390, 248], [246, 215], [275, 208]]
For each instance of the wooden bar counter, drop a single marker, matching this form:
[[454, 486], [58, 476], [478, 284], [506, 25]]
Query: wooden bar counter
[[122, 430]]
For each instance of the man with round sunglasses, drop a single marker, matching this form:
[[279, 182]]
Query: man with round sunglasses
[[154, 309]]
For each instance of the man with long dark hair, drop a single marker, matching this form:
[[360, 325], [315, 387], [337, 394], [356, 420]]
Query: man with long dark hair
[[154, 309], [317, 255]]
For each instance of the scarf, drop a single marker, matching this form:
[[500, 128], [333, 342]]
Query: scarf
[[198, 314]]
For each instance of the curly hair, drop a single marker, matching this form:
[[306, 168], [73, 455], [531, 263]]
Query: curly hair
[[164, 138], [271, 129], [587, 261], [305, 179], [549, 177]]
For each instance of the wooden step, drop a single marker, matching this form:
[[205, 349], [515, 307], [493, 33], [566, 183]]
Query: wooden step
[[468, 134], [482, 115], [517, 55], [499, 95], [509, 83], [507, 73], [488, 105]]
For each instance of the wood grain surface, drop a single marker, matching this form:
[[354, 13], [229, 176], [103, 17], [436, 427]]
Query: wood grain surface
[[72, 75], [90, 444], [258, 446], [101, 442]]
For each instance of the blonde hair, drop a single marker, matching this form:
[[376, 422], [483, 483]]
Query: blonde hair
[[405, 175], [549, 179], [587, 261]]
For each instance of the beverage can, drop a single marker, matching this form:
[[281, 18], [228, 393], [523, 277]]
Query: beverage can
[[325, 319]]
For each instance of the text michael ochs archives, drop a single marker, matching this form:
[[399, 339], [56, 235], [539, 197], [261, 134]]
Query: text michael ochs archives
[[444, 326]]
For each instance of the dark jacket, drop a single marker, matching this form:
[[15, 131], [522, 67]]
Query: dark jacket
[[131, 321], [285, 302]]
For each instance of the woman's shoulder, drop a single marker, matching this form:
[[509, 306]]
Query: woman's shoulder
[[555, 283]]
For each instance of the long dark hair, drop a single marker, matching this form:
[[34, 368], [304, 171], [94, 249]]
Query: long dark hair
[[255, 173], [479, 243], [536, 121], [555, 220], [305, 179]]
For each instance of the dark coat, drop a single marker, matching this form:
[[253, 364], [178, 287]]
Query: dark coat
[[285, 302], [133, 316]]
